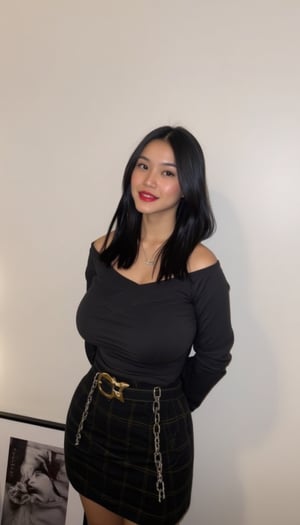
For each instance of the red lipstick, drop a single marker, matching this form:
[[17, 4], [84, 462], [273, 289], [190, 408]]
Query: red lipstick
[[147, 197]]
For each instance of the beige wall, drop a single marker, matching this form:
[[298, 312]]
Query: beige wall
[[81, 82]]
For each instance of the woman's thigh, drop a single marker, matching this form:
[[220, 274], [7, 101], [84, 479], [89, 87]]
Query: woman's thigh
[[98, 515]]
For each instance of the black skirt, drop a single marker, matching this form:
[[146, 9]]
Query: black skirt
[[113, 461]]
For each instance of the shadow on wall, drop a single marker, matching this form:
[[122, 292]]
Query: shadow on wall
[[240, 412]]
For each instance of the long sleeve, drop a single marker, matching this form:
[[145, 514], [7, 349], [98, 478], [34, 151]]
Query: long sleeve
[[90, 273], [214, 337]]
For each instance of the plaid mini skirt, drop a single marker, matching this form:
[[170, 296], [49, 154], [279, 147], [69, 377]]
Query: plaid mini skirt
[[134, 455]]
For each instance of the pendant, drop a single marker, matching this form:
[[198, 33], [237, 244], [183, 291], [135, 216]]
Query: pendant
[[149, 262]]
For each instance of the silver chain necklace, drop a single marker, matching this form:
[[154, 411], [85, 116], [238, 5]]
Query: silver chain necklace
[[152, 260]]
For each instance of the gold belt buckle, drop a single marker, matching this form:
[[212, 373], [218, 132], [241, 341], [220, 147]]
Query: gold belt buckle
[[116, 387]]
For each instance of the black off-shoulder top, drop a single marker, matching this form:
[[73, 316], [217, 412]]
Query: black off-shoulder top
[[145, 332]]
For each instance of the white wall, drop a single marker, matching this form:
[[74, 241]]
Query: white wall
[[81, 83]]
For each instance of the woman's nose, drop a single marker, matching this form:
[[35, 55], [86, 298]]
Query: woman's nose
[[150, 179]]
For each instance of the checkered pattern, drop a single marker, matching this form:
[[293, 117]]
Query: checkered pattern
[[113, 464]]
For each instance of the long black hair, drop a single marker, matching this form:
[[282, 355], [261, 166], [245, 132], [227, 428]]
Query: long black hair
[[194, 217]]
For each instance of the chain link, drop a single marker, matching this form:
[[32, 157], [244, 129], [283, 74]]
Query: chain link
[[86, 410], [160, 486]]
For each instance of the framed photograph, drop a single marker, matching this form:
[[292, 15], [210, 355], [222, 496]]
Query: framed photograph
[[33, 483]]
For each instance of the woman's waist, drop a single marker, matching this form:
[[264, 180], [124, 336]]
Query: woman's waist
[[124, 386]]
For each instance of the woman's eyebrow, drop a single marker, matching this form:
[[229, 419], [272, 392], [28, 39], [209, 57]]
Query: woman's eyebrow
[[162, 163]]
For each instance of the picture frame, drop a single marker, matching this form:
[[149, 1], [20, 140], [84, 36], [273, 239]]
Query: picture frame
[[32, 473]]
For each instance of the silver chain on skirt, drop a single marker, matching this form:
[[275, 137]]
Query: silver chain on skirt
[[160, 486], [86, 410]]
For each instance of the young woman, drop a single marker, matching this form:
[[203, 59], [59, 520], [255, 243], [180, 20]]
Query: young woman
[[154, 294]]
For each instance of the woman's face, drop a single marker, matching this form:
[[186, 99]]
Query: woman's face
[[154, 182], [39, 483]]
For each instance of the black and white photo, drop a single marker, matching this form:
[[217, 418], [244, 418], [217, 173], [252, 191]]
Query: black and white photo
[[34, 488]]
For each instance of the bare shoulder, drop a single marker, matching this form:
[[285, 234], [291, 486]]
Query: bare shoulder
[[99, 243], [200, 258]]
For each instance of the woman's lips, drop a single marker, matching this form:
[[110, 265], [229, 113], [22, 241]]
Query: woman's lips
[[147, 197]]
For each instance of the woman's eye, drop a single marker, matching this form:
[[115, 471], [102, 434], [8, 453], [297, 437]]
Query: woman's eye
[[169, 173], [142, 165]]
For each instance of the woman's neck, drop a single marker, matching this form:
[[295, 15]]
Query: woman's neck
[[154, 232]]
